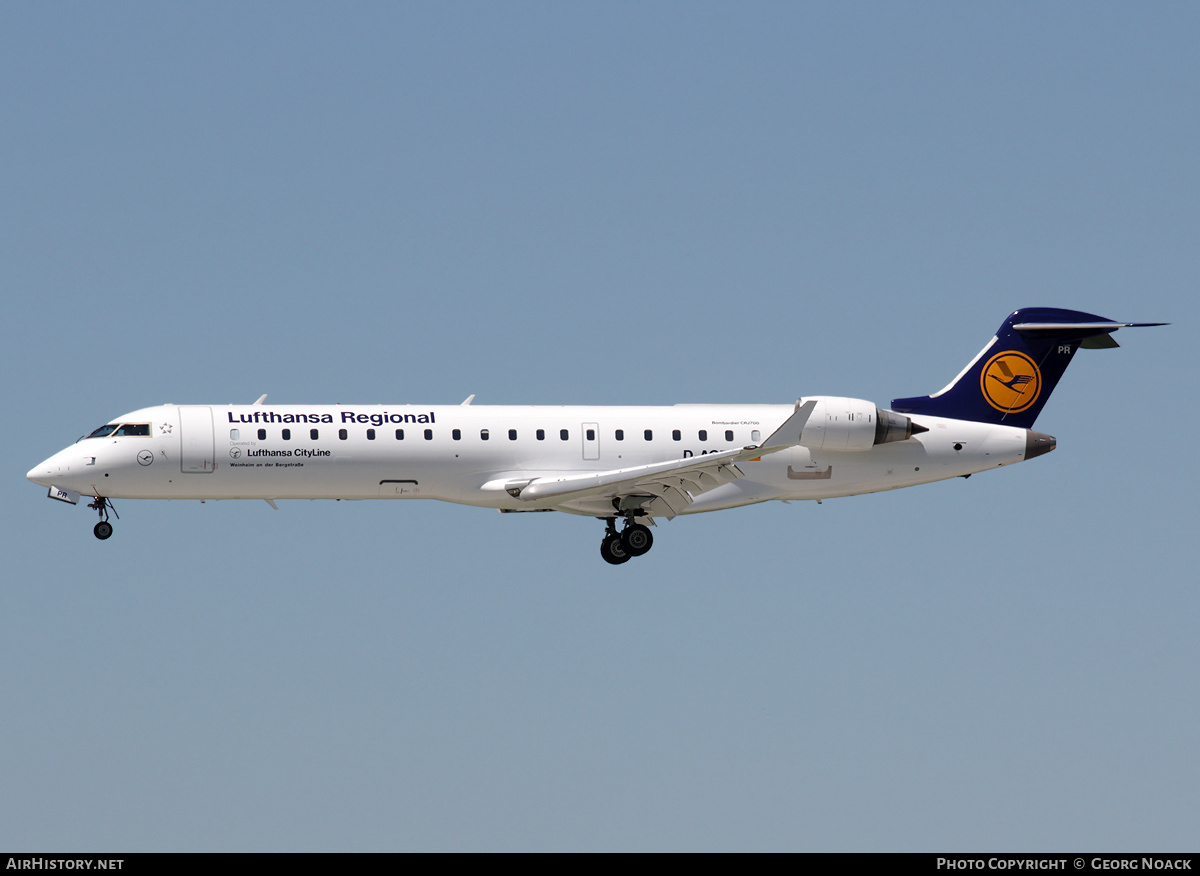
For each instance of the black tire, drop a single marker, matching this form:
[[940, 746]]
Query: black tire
[[103, 530], [613, 551], [637, 539]]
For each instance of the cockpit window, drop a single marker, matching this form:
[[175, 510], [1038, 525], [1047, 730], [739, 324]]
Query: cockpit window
[[122, 430], [133, 429]]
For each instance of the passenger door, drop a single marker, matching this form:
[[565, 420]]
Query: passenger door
[[196, 445]]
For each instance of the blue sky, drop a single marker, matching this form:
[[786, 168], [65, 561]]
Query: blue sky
[[612, 204]]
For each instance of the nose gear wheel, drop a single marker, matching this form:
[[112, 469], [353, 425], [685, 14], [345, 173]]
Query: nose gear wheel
[[103, 506]]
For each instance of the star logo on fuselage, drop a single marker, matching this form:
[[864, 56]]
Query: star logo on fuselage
[[164, 429], [1010, 381]]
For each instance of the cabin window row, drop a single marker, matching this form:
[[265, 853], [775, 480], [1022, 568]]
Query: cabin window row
[[676, 435], [485, 435]]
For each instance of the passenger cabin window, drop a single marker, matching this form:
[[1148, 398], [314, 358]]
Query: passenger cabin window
[[399, 434], [564, 435], [728, 434], [649, 434], [512, 434], [428, 434], [287, 434], [541, 434], [483, 435], [314, 434], [591, 434], [620, 435], [370, 434], [456, 434], [262, 434], [233, 434], [343, 434], [703, 434], [676, 435], [756, 436]]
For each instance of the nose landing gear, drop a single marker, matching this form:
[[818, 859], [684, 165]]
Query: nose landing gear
[[632, 541], [103, 506]]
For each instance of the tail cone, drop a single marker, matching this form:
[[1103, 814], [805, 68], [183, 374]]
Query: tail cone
[[1037, 443]]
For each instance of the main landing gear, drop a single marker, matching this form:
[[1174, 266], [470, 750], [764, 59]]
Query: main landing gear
[[103, 529], [632, 541]]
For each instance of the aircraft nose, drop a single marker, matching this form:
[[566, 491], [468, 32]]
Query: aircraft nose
[[43, 472], [55, 471]]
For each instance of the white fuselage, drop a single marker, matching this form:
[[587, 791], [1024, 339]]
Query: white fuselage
[[466, 453]]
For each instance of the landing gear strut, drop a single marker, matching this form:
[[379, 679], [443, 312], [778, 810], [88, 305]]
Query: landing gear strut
[[103, 529], [632, 541]]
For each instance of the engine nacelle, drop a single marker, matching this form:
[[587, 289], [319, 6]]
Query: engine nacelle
[[849, 424]]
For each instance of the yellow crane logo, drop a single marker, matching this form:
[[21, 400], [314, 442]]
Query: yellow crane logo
[[1011, 382]]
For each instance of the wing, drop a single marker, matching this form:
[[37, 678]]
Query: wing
[[660, 489]]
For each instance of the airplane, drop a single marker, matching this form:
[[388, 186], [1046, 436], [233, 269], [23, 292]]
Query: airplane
[[632, 464]]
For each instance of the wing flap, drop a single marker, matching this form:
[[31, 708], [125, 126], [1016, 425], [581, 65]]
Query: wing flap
[[674, 498], [718, 467]]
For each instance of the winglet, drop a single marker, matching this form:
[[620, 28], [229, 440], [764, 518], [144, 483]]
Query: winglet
[[468, 400], [788, 435], [262, 398]]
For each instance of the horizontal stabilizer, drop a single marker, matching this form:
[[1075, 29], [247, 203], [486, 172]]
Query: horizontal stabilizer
[[1085, 326]]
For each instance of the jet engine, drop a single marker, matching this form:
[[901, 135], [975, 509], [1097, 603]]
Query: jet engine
[[854, 424]]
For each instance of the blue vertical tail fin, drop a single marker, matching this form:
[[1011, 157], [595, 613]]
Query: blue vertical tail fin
[[1013, 376]]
